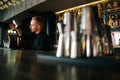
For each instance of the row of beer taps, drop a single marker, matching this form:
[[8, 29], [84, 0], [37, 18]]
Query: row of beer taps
[[81, 34]]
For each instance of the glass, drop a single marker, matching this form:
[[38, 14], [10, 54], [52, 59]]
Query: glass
[[6, 43]]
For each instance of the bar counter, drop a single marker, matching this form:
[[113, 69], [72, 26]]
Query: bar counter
[[40, 65]]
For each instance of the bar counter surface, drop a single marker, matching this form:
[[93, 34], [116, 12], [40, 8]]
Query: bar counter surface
[[40, 65]]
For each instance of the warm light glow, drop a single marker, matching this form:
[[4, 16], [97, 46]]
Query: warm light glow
[[8, 3], [78, 7]]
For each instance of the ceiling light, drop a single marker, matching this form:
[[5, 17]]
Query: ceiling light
[[8, 3]]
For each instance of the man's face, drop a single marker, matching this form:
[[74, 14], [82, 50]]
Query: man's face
[[34, 25]]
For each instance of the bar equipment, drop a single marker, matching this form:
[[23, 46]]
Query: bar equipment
[[83, 35], [67, 30], [74, 48], [90, 30], [60, 40]]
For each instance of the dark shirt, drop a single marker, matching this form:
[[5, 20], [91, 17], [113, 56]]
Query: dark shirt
[[42, 42]]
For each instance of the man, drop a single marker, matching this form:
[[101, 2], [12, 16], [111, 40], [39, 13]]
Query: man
[[41, 41], [14, 35]]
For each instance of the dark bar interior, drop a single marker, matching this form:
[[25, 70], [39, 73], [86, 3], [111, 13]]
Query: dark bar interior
[[84, 38]]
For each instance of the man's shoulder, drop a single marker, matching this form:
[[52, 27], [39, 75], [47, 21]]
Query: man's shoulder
[[43, 35]]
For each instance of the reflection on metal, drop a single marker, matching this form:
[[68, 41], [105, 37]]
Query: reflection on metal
[[4, 4], [12, 57], [78, 7]]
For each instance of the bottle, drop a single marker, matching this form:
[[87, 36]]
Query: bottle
[[110, 22], [115, 6], [116, 21], [109, 7], [107, 40]]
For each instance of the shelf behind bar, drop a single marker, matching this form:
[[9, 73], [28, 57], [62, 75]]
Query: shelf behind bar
[[80, 6]]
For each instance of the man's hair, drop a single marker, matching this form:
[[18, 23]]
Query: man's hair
[[39, 20]]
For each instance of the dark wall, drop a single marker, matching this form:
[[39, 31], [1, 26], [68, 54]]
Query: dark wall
[[3, 30], [50, 27]]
